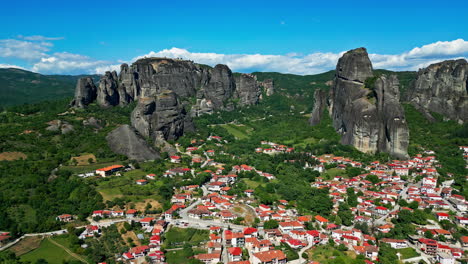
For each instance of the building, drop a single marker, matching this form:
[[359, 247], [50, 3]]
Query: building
[[444, 258], [64, 218], [269, 257], [103, 172]]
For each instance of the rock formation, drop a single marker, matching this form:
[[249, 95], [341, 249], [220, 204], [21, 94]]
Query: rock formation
[[247, 89], [85, 92], [269, 86], [126, 141], [369, 118], [320, 105], [442, 88], [163, 87], [161, 114]]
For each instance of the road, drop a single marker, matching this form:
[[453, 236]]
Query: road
[[301, 260], [382, 220]]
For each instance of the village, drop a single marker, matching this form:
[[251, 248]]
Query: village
[[240, 230]]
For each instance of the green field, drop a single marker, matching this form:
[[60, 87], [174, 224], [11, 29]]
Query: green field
[[335, 172], [238, 131], [175, 237], [327, 255], [48, 251], [407, 253], [118, 186], [178, 256], [252, 184]]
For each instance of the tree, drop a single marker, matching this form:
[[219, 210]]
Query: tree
[[428, 234], [387, 254], [270, 224]]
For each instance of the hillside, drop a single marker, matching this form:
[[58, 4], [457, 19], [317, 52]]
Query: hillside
[[23, 87]]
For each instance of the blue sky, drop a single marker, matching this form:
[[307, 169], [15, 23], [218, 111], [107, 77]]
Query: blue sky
[[92, 36]]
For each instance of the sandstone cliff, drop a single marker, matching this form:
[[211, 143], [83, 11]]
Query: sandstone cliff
[[442, 88], [369, 118]]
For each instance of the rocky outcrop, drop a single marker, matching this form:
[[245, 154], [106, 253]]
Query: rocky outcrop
[[161, 115], [247, 89], [93, 122], [85, 92], [108, 94], [394, 137], [220, 87], [58, 125], [442, 88], [126, 141], [369, 118], [164, 89], [268, 86], [319, 106]]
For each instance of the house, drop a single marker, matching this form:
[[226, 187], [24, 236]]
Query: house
[[4, 238], [286, 227], [250, 232], [146, 222], [234, 254], [157, 256], [395, 243], [428, 246], [384, 228], [235, 239], [64, 218], [141, 182], [249, 192], [442, 216], [269, 257], [103, 172], [210, 258], [463, 221], [444, 258], [370, 252], [175, 159], [90, 231], [264, 207], [155, 240], [381, 210], [151, 176], [321, 220], [130, 213]]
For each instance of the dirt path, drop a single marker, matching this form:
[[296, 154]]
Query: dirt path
[[68, 251]]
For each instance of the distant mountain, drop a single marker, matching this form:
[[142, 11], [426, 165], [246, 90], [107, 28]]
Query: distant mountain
[[23, 87]]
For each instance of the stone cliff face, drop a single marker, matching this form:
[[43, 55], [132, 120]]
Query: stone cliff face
[[369, 118], [442, 88], [163, 87], [247, 89], [85, 92], [320, 105]]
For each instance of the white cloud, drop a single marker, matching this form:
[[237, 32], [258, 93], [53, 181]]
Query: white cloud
[[25, 50], [68, 63], [37, 52], [10, 66], [39, 38]]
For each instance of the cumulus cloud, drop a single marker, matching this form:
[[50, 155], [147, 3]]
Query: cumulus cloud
[[318, 62], [25, 50], [37, 52], [290, 63], [68, 63], [39, 38]]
